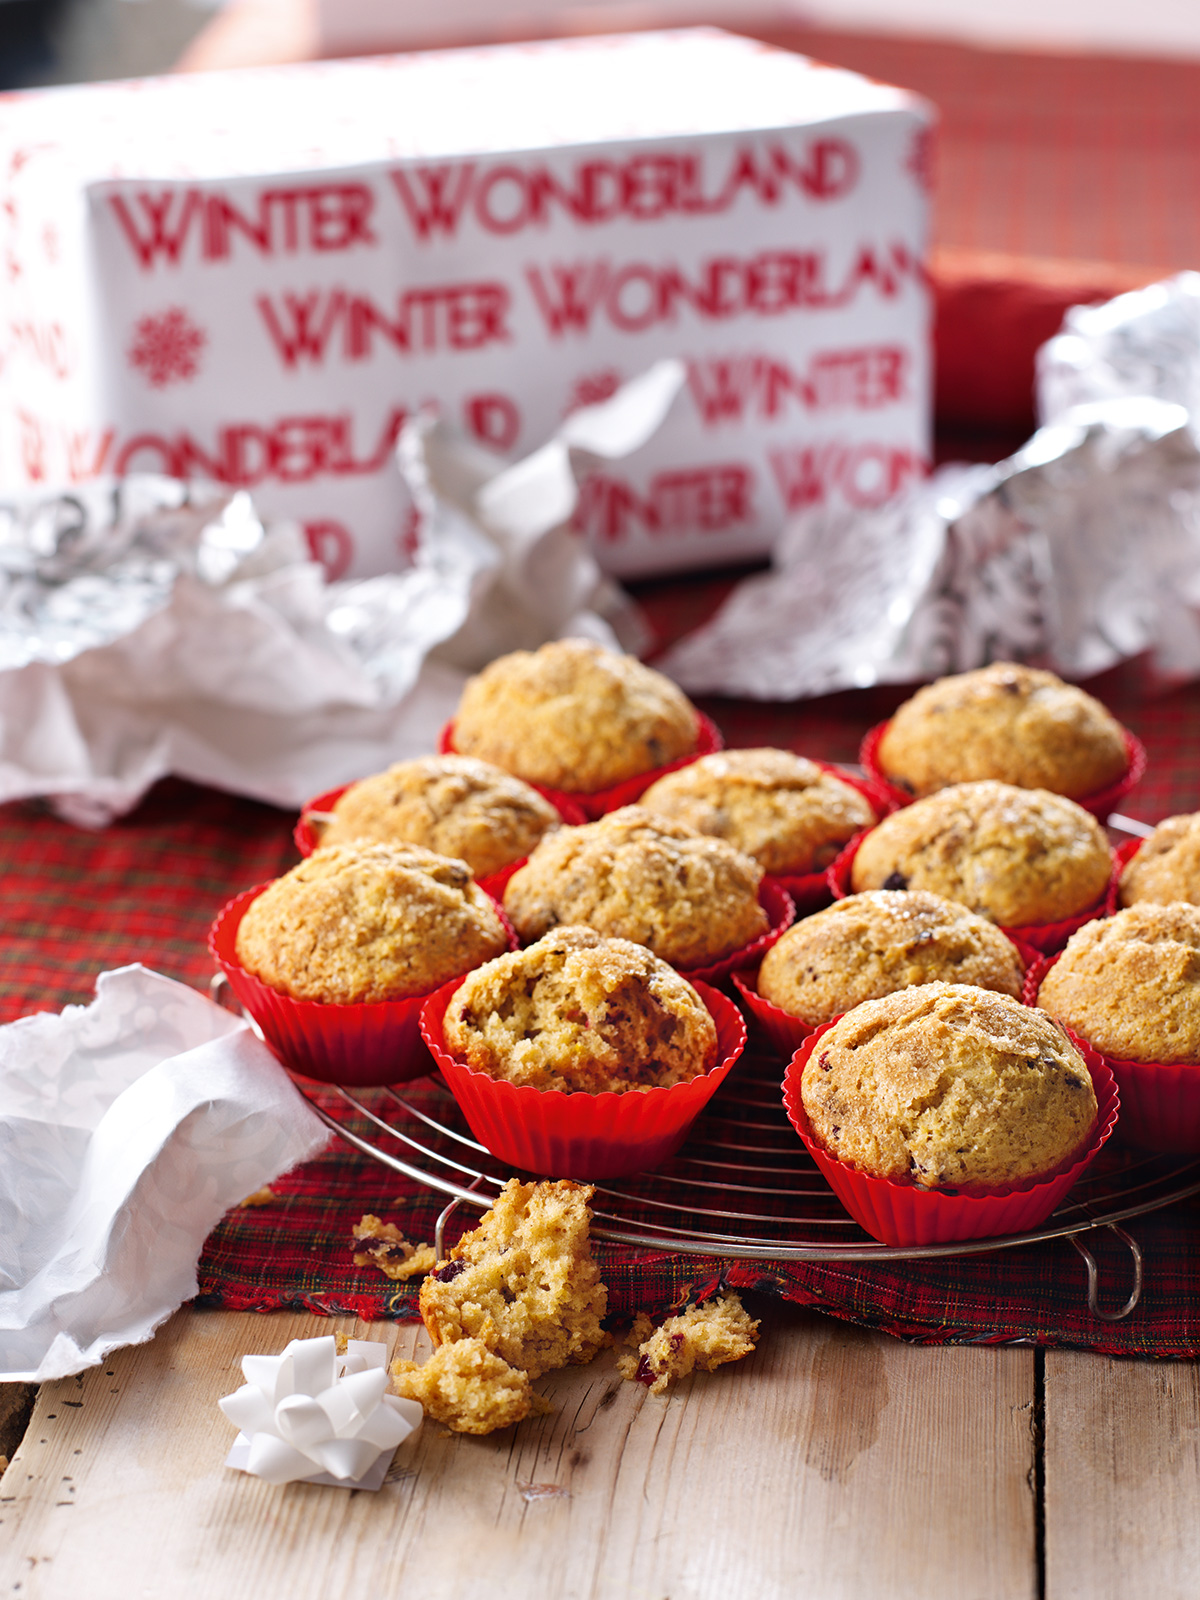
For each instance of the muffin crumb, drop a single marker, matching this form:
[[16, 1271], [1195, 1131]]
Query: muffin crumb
[[381, 1244], [467, 1387], [705, 1336]]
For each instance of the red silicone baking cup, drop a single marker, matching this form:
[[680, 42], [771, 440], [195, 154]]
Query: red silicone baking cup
[[906, 1214], [372, 1042], [786, 1032], [1043, 937], [1100, 802], [810, 890], [1160, 1100], [307, 839], [781, 913], [599, 802], [561, 1135]]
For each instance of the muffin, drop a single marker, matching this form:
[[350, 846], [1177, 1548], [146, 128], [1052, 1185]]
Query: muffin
[[632, 875], [788, 813], [1166, 866], [874, 944], [524, 1281], [1007, 722], [949, 1086], [366, 922], [581, 1013], [467, 1387], [454, 805], [574, 716], [1016, 856], [1130, 984]]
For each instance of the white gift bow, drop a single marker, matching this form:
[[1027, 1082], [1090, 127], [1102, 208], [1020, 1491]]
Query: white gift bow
[[310, 1410]]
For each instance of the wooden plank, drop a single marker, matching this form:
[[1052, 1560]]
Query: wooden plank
[[833, 1462], [1122, 1478]]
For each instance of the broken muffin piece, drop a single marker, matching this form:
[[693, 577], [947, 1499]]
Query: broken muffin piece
[[466, 1386], [704, 1336], [523, 1281], [381, 1244]]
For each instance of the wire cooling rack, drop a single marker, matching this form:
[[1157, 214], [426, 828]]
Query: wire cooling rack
[[742, 1187]]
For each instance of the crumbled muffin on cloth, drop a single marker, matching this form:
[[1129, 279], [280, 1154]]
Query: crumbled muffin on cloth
[[632, 875], [466, 1386], [788, 813], [1167, 865], [523, 1281], [704, 1336], [579, 1012], [1008, 722], [1016, 856], [381, 1244], [574, 716], [873, 944], [364, 922], [949, 1086], [454, 805], [1130, 984]]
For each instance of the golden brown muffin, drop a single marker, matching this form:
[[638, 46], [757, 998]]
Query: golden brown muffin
[[523, 1281], [632, 875], [788, 813], [870, 945], [361, 922], [452, 804], [1008, 722], [951, 1087], [1016, 856], [579, 1012], [704, 1336], [1130, 984], [1167, 866], [574, 716], [467, 1387]]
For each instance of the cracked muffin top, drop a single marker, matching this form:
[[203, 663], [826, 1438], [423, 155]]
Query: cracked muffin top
[[633, 875], [365, 922], [788, 813], [1008, 722], [578, 1012], [871, 945], [574, 716], [1166, 866], [1130, 984], [1016, 856], [454, 805], [949, 1086]]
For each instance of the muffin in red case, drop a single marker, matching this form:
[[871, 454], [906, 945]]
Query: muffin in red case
[[908, 1215], [1160, 1100], [582, 1135], [781, 913], [601, 801], [810, 890], [1042, 937], [362, 1044], [1100, 802]]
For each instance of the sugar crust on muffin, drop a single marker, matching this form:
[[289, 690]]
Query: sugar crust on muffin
[[1016, 856], [632, 875], [1167, 864], [949, 1086], [787, 812], [1006, 721], [870, 945], [454, 805], [574, 716], [581, 1013], [366, 922], [1130, 983]]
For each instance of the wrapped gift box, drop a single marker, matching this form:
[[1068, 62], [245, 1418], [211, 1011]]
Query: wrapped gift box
[[256, 276]]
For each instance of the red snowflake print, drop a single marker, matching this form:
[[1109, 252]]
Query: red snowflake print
[[167, 347], [592, 388]]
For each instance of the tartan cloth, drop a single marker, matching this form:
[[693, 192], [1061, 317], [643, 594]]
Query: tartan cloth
[[146, 889]]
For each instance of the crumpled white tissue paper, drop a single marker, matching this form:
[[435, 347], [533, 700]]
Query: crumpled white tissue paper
[[309, 1415], [128, 1128], [150, 627]]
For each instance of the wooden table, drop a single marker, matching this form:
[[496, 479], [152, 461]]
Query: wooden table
[[832, 1463]]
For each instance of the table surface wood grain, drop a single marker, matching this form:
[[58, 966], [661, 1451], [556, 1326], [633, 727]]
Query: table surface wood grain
[[834, 1463]]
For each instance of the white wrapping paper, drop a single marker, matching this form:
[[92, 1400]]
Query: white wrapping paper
[[127, 1129], [148, 627]]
